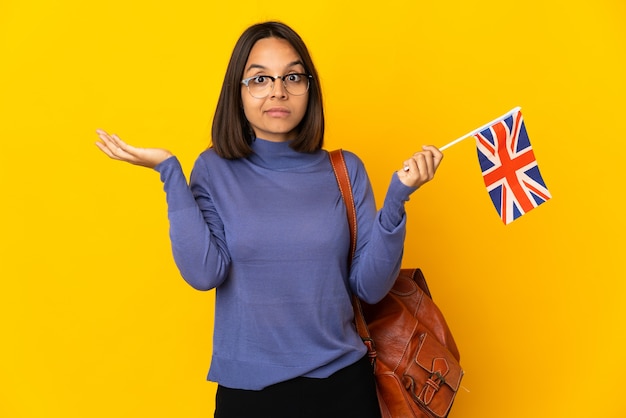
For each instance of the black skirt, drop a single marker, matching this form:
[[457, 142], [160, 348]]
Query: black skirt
[[348, 393]]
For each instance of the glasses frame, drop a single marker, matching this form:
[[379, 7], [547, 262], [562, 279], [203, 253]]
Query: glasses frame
[[246, 82]]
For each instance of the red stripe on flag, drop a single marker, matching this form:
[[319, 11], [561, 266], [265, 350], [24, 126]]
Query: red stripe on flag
[[483, 141], [537, 191], [508, 168]]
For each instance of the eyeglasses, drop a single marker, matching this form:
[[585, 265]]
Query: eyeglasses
[[260, 86]]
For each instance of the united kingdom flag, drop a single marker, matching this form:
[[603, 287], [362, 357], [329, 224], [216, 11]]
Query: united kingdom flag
[[509, 167]]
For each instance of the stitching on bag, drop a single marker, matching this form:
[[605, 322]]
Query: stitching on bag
[[405, 349], [410, 282], [418, 305]]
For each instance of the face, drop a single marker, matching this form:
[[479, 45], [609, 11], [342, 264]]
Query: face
[[276, 116]]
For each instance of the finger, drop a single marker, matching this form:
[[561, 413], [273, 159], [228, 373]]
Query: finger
[[106, 144], [416, 166], [420, 168], [113, 146], [106, 150], [410, 166], [437, 154], [424, 163], [127, 150], [113, 141], [105, 138], [115, 152], [118, 141], [123, 150]]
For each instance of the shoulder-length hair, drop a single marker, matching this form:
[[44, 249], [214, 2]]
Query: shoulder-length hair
[[231, 133]]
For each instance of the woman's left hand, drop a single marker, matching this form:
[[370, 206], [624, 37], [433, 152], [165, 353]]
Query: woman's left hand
[[420, 168]]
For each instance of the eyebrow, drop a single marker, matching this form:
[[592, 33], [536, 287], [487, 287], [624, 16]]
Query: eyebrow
[[261, 67]]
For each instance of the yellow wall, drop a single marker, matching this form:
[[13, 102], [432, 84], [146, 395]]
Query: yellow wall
[[96, 321]]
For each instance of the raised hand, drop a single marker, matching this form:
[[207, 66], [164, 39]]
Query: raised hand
[[117, 149], [420, 168]]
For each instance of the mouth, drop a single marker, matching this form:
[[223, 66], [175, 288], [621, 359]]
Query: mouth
[[278, 112]]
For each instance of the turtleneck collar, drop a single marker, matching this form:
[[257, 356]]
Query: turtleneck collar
[[280, 155]]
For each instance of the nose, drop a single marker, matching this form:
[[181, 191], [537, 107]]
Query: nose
[[278, 89]]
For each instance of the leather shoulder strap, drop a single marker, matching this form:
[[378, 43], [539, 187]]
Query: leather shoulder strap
[[345, 187]]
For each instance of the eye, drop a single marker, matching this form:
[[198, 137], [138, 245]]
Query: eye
[[261, 80], [294, 78]]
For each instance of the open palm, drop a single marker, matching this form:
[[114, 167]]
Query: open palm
[[117, 149]]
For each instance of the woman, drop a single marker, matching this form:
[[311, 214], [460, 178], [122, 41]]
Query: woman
[[262, 221]]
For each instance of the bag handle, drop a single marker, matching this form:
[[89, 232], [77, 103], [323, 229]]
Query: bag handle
[[345, 187]]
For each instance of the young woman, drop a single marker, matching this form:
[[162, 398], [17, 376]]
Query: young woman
[[262, 221]]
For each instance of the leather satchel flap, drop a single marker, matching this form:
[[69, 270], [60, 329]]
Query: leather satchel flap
[[434, 376], [434, 359]]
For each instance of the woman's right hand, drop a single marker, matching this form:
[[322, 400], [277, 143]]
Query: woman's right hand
[[117, 149]]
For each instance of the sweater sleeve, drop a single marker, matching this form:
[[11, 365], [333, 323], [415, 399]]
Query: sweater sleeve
[[380, 234], [196, 232]]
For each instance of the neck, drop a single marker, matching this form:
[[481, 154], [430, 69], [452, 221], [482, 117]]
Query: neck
[[279, 155]]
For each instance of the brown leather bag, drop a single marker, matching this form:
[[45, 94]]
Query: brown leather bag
[[415, 358]]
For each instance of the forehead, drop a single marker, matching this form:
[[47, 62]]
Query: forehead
[[272, 53]]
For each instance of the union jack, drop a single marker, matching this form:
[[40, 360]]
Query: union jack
[[509, 167]]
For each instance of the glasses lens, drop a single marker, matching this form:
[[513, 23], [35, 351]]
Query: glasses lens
[[296, 84], [260, 86]]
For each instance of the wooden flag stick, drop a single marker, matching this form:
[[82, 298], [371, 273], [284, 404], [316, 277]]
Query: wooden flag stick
[[475, 131]]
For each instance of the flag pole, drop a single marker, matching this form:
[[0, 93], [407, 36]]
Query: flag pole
[[475, 131]]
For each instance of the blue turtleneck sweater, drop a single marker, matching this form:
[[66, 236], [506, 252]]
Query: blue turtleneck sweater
[[270, 234]]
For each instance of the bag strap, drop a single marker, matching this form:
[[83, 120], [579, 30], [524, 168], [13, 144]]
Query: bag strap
[[343, 180], [345, 187]]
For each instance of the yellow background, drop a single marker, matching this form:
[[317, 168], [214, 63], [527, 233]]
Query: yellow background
[[96, 321]]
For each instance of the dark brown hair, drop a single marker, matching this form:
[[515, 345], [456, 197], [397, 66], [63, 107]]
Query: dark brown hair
[[231, 132]]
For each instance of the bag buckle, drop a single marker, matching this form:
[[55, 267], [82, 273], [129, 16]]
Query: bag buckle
[[371, 350], [437, 379]]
